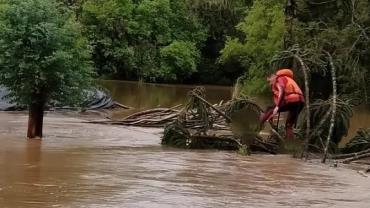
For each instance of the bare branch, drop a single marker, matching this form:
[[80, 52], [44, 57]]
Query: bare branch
[[334, 105], [304, 69]]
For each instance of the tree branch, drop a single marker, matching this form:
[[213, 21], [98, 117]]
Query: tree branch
[[334, 105], [304, 69]]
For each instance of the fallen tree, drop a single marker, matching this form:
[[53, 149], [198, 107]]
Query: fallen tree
[[200, 124]]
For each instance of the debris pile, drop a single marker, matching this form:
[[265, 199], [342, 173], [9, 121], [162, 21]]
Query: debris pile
[[201, 125]]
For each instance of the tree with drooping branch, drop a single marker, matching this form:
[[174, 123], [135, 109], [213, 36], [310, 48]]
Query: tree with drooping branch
[[43, 57]]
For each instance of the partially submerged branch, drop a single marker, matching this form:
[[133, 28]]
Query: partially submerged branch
[[350, 155], [356, 157]]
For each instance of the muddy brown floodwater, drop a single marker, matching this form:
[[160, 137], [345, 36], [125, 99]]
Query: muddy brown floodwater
[[88, 165], [144, 96]]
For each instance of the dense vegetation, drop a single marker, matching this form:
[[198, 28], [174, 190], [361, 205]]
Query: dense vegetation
[[43, 56], [189, 41], [217, 41], [176, 41], [221, 41]]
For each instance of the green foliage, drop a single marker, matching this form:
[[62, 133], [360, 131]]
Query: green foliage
[[107, 27], [263, 31], [220, 18], [341, 28], [212, 3], [179, 60], [320, 121], [128, 37], [43, 55]]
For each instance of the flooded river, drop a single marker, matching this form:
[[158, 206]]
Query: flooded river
[[88, 165], [144, 96]]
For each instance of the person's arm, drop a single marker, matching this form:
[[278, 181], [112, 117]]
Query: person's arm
[[280, 100], [279, 84]]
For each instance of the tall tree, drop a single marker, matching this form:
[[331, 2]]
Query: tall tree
[[43, 57], [220, 18], [263, 33]]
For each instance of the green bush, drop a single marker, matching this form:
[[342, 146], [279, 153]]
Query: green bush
[[179, 60], [128, 36]]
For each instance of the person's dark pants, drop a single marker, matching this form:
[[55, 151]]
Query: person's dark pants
[[293, 110]]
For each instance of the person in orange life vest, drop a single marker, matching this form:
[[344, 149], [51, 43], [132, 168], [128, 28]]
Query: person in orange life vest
[[288, 97]]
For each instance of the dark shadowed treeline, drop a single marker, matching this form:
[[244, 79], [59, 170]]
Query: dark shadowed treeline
[[217, 41], [162, 40]]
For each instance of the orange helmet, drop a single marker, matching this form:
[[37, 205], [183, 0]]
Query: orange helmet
[[285, 72]]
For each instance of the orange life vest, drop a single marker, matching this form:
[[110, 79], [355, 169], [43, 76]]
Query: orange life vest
[[292, 92]]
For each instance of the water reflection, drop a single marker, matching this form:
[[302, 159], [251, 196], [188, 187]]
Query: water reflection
[[144, 96], [360, 119]]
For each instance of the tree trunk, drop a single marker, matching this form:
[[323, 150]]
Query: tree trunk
[[305, 70], [35, 120], [334, 106]]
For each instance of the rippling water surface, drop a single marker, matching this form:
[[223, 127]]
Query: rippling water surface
[[88, 165]]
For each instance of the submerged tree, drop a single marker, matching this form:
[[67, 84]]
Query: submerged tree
[[43, 57]]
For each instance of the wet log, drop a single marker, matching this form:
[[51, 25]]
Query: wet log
[[142, 113], [344, 156], [148, 114], [150, 120], [356, 157], [274, 131], [152, 111], [121, 105]]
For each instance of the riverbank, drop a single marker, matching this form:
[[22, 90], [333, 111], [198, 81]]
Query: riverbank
[[88, 165]]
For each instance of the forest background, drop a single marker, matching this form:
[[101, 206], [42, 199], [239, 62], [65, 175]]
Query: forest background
[[219, 41]]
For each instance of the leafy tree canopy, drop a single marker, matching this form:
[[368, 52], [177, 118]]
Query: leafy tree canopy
[[128, 36], [263, 32], [43, 55]]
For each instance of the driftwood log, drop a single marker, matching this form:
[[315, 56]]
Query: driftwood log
[[351, 157], [157, 117], [356, 157]]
